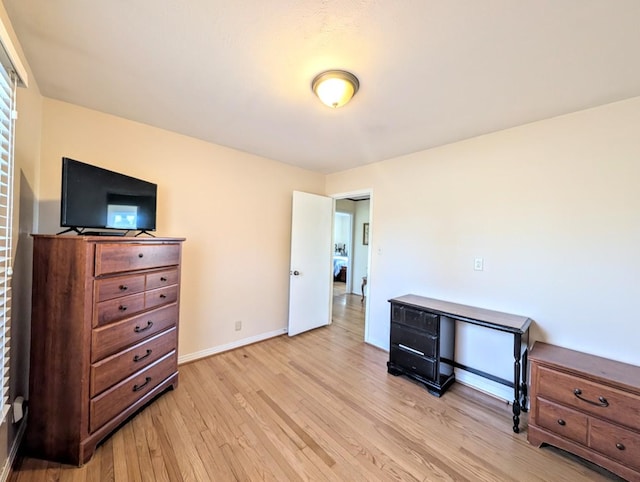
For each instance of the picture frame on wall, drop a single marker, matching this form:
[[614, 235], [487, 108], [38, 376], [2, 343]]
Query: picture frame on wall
[[365, 234]]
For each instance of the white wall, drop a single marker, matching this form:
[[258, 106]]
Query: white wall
[[360, 251], [234, 209], [553, 207]]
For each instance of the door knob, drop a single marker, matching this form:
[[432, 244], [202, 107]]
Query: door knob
[[295, 273]]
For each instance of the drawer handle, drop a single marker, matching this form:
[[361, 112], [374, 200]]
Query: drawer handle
[[561, 422], [122, 307], [162, 278], [137, 388], [124, 287], [138, 358], [620, 446], [140, 255], [602, 402], [163, 296], [137, 329]]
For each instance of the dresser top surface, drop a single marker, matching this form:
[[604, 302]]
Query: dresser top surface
[[480, 316], [109, 239], [590, 366]]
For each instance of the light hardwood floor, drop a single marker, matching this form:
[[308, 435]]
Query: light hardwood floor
[[319, 406]]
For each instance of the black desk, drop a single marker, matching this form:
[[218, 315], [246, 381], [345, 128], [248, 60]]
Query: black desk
[[495, 320]]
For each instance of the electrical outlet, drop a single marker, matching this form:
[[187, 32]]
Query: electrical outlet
[[478, 264], [238, 325]]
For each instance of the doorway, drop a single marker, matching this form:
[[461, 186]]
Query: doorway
[[351, 263]]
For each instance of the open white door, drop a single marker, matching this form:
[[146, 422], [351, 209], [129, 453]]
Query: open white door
[[310, 268]]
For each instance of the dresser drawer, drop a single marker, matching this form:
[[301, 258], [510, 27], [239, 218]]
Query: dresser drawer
[[112, 338], [160, 296], [422, 342], [118, 308], [414, 363], [161, 279], [618, 406], [616, 442], [562, 420], [117, 258], [107, 289], [111, 370], [110, 403], [415, 318]]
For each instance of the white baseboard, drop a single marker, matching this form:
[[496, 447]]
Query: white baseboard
[[485, 385], [6, 470], [230, 346]]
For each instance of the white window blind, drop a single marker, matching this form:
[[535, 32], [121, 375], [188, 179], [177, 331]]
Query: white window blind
[[7, 123]]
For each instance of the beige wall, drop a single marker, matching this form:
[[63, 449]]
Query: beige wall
[[553, 207], [27, 151], [233, 208]]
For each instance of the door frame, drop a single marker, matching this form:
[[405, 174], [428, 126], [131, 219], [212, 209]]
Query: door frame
[[346, 195]]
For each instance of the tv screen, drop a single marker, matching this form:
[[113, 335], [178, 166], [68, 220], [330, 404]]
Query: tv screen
[[93, 197]]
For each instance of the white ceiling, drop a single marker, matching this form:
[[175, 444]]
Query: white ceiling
[[238, 73]]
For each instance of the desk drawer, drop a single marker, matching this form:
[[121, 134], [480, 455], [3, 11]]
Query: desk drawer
[[617, 406], [415, 318], [117, 258], [425, 367], [423, 342]]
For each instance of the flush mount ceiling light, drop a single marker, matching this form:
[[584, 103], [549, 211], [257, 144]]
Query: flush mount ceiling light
[[335, 87]]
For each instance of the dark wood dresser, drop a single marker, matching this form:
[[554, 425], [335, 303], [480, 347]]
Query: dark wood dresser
[[587, 405], [104, 335]]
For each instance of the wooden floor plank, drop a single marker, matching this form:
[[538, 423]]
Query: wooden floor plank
[[315, 407]]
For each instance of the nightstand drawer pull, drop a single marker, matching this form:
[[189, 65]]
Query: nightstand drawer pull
[[620, 446], [602, 402], [140, 387], [122, 307], [138, 358], [163, 296], [137, 329], [140, 255], [162, 278], [124, 287], [561, 422]]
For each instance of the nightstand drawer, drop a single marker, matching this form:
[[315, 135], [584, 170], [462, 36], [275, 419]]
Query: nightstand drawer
[[616, 442], [563, 421], [422, 342], [111, 370], [593, 398], [117, 258]]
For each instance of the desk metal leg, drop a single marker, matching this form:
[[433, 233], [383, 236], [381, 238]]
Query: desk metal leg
[[517, 370]]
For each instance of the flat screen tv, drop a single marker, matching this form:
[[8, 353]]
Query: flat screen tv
[[96, 198]]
